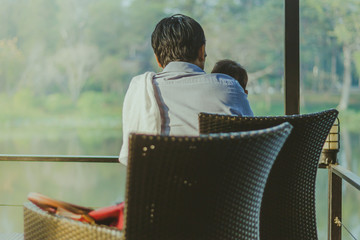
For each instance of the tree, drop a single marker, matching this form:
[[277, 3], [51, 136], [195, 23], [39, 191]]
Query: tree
[[319, 50], [332, 34], [248, 32], [76, 64], [347, 32], [11, 65]]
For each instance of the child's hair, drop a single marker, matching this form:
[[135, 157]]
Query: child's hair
[[232, 69]]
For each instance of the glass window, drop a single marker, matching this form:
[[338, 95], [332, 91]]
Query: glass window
[[330, 67], [64, 69]]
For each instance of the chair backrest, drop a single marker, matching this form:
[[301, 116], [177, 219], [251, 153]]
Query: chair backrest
[[288, 207], [39, 224], [207, 187]]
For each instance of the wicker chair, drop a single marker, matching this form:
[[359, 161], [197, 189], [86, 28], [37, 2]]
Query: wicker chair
[[39, 224], [288, 206], [207, 187]]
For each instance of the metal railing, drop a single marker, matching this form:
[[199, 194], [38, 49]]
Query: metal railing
[[59, 158], [49, 158], [336, 174]]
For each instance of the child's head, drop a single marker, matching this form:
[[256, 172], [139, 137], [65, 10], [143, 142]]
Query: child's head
[[232, 69]]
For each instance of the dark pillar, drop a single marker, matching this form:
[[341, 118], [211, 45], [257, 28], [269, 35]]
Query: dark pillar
[[292, 57], [335, 203]]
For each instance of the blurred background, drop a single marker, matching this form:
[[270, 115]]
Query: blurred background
[[65, 66]]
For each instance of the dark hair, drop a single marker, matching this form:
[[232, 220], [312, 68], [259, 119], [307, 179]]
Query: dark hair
[[232, 69], [177, 38]]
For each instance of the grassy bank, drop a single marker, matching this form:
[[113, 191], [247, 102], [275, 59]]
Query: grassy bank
[[310, 102], [94, 110]]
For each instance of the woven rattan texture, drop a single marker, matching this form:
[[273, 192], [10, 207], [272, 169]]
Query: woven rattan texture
[[40, 225], [288, 207], [201, 188]]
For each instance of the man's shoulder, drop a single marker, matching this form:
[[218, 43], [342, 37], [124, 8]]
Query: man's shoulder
[[142, 77], [194, 77]]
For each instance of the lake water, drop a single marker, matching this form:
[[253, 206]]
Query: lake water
[[98, 185]]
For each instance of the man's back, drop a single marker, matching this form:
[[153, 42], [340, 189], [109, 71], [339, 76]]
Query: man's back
[[169, 102], [184, 90]]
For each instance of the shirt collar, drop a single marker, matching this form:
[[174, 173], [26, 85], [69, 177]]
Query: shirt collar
[[182, 67]]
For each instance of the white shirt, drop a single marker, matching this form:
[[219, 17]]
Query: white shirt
[[185, 90], [182, 90]]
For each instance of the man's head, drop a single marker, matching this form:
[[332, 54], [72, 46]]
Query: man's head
[[232, 69], [179, 38]]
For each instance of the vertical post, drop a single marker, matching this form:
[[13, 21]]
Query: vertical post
[[292, 57], [334, 209]]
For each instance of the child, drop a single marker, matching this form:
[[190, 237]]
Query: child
[[232, 69]]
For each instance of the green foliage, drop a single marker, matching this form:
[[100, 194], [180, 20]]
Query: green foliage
[[110, 75], [350, 119], [33, 23], [107, 21], [356, 57], [25, 103], [97, 103], [58, 103], [76, 58], [267, 105], [90, 101], [11, 64], [250, 32]]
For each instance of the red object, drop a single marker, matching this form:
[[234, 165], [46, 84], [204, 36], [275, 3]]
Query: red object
[[111, 216]]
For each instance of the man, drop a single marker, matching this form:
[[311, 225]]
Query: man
[[169, 102]]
